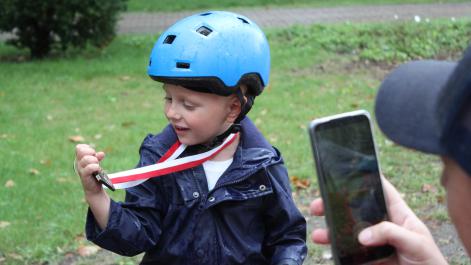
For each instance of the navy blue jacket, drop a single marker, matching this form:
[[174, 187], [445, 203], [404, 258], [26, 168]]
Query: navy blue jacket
[[248, 218]]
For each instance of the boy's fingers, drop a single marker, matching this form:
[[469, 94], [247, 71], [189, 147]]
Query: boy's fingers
[[90, 169], [83, 150], [317, 207], [88, 159], [100, 156], [320, 236]]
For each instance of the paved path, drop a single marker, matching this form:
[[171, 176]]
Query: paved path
[[140, 22], [137, 22]]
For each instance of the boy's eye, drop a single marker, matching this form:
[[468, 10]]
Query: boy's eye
[[188, 106], [168, 99]]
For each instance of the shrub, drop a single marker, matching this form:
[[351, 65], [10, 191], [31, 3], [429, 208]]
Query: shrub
[[47, 25]]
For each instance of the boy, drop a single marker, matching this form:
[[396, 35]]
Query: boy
[[233, 209], [424, 105]]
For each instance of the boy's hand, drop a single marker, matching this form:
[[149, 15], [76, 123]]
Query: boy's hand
[[86, 163]]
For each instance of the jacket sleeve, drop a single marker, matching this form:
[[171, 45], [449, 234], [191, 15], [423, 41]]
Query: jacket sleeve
[[285, 242], [134, 226]]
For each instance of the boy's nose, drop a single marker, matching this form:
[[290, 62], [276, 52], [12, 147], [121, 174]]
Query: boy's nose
[[172, 113]]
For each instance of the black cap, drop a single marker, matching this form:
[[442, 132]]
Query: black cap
[[426, 105]]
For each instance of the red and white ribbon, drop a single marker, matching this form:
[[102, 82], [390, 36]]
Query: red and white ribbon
[[167, 164]]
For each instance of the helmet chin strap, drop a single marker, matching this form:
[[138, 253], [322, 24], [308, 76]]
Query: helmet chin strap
[[218, 140]]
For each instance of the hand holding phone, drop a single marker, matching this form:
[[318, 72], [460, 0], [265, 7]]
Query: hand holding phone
[[350, 183]]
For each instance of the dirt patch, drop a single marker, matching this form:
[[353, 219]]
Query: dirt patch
[[377, 70]]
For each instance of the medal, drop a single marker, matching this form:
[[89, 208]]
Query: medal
[[102, 177]]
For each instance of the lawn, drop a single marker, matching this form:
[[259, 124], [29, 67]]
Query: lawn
[[169, 5], [104, 97]]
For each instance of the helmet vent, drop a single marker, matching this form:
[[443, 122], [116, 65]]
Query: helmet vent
[[206, 14], [169, 39], [204, 30], [243, 20], [183, 65]]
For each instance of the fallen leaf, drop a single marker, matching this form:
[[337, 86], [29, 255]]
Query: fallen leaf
[[49, 117], [258, 121], [441, 199], [97, 136], [428, 188], [10, 183], [80, 237], [4, 136], [62, 180], [125, 78], [108, 149], [85, 251], [33, 171], [444, 241], [4, 224], [127, 124], [354, 105], [45, 162], [300, 183], [76, 138], [272, 138]]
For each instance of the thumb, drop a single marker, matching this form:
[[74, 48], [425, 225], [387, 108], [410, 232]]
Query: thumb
[[389, 233], [410, 246]]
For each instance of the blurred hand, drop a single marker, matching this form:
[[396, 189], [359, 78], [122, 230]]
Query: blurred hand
[[406, 232]]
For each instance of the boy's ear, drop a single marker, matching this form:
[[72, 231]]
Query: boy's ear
[[235, 108]]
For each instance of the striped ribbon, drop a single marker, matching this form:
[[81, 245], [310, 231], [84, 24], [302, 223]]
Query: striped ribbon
[[168, 163]]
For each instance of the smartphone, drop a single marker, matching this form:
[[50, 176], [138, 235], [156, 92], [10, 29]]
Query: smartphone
[[349, 179]]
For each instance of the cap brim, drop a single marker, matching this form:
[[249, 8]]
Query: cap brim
[[406, 104]]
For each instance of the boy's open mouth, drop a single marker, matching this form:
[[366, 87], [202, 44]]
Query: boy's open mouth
[[180, 129]]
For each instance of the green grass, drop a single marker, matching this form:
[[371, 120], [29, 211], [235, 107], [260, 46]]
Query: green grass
[[168, 5], [106, 97]]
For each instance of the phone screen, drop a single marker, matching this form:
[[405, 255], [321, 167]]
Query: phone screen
[[349, 178]]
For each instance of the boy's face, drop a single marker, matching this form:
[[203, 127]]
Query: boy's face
[[458, 192], [198, 117]]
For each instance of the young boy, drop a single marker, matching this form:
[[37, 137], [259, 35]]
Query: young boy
[[233, 209]]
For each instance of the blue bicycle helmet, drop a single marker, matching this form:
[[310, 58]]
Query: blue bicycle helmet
[[212, 52]]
